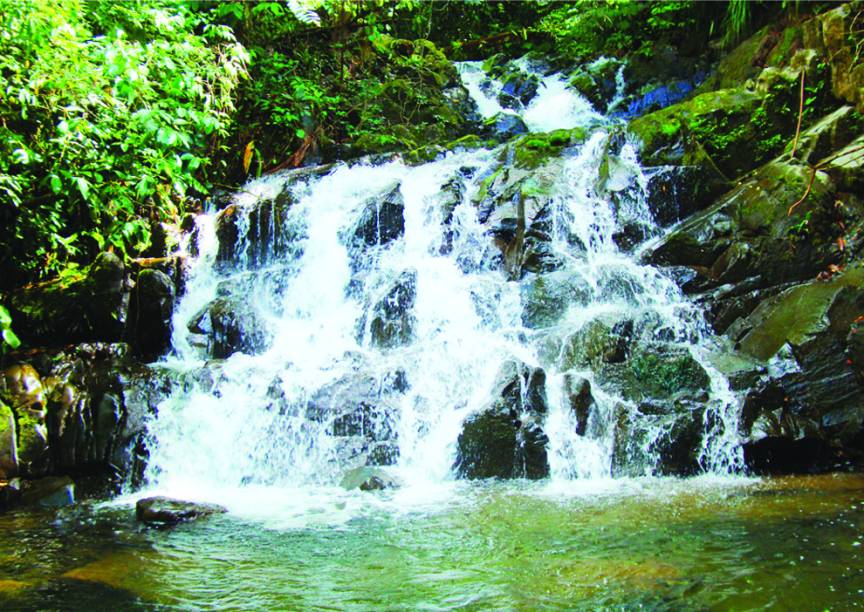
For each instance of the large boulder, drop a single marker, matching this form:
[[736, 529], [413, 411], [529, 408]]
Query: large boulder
[[748, 232], [505, 439], [810, 408]]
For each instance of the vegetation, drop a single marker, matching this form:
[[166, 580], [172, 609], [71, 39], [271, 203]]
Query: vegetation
[[109, 115]]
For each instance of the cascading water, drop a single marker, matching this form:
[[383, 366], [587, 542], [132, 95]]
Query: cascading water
[[372, 317]]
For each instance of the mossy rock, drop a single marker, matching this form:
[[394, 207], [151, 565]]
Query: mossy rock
[[25, 394], [8, 443], [534, 150]]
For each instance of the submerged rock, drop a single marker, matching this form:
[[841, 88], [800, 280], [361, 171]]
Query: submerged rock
[[168, 511], [368, 479], [50, 492]]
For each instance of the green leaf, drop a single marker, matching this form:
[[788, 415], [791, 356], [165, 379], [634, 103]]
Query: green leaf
[[10, 338], [83, 185], [56, 184], [300, 133]]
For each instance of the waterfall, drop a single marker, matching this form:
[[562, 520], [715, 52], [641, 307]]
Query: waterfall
[[358, 314]]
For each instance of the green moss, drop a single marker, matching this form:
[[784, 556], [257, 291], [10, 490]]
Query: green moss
[[664, 375], [533, 150]]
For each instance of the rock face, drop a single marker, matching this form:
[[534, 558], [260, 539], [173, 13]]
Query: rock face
[[777, 271], [76, 411], [505, 439], [168, 511], [252, 234], [89, 307]]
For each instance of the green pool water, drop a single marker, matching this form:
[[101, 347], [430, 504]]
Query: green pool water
[[791, 543]]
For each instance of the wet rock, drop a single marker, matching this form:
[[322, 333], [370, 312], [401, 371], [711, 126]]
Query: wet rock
[[359, 410], [150, 313], [168, 511], [657, 371], [51, 492], [381, 221], [714, 128], [546, 298], [597, 82], [577, 390], [517, 89], [392, 319], [659, 438], [506, 439], [449, 197], [597, 343], [504, 126], [230, 325], [748, 231], [813, 402]]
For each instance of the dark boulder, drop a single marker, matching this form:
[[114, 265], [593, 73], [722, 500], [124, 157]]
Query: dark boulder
[[231, 325], [150, 313], [505, 439], [90, 306], [49, 492], [577, 391], [167, 511], [504, 126]]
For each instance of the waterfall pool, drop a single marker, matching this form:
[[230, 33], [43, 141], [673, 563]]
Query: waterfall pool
[[700, 543]]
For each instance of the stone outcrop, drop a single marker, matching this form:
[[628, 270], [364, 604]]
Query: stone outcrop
[[76, 411]]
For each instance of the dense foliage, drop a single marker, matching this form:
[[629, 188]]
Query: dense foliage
[[110, 113]]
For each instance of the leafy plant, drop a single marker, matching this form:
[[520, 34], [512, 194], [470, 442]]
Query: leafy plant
[[108, 114], [8, 337]]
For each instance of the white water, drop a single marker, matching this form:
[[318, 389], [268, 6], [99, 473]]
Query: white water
[[239, 431]]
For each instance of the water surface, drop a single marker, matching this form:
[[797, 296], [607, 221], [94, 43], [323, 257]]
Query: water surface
[[705, 543]]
